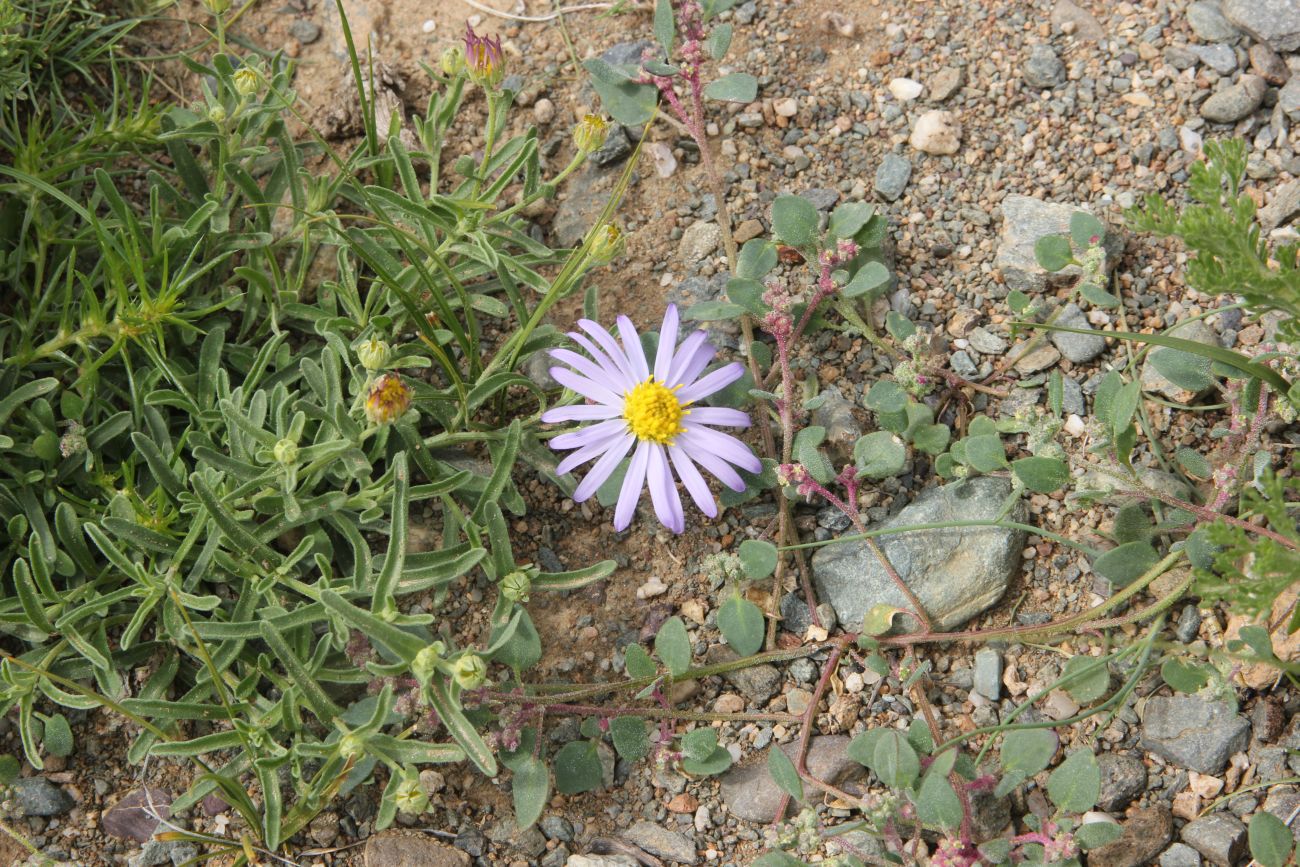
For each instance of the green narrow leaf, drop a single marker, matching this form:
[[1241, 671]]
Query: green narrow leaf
[[460, 728], [784, 773], [394, 561], [894, 760], [665, 29], [673, 645], [321, 704]]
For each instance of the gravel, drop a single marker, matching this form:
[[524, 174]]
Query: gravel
[[660, 841]]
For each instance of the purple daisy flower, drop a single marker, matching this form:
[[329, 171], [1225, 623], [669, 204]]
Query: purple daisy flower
[[656, 412]]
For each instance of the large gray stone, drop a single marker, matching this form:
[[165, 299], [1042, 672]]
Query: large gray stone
[[758, 683], [750, 793], [660, 841], [1194, 733], [1285, 203], [1079, 348], [956, 573], [1043, 70], [1276, 22], [1145, 833], [1024, 221], [1220, 837]]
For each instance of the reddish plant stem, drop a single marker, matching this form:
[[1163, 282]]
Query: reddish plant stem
[[809, 717], [954, 779]]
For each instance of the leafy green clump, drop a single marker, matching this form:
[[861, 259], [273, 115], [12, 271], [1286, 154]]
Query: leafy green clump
[[1232, 256]]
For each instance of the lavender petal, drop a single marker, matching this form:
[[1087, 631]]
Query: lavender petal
[[715, 381], [663, 491], [611, 347], [632, 346], [700, 453], [693, 355], [695, 484], [581, 412], [631, 490], [575, 439], [585, 387], [603, 468], [593, 370], [667, 343], [725, 446], [718, 416]]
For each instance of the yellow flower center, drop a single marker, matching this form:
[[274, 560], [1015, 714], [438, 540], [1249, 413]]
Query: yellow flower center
[[653, 412]]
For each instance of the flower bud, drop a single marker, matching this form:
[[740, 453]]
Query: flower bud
[[590, 133], [286, 451], [351, 747], [426, 661], [373, 354], [453, 61], [217, 7], [607, 244], [217, 114], [484, 61], [516, 586], [247, 81], [388, 400], [410, 797], [469, 670]]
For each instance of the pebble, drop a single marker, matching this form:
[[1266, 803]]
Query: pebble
[[946, 82], [1078, 348], [1146, 833], [651, 588], [1235, 102], [750, 793], [1024, 221], [128, 819], [662, 842], [1221, 838], [699, 240], [1208, 22], [1180, 855], [305, 32], [1218, 57], [728, 702], [797, 701], [1193, 732], [936, 132], [1039, 358], [906, 89], [1268, 65], [1073, 20], [1043, 70], [662, 155], [37, 796], [1123, 778], [1189, 624], [429, 25], [988, 673], [787, 107], [543, 111], [758, 683], [892, 176]]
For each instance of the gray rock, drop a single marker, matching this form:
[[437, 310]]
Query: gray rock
[[986, 342], [1189, 623], [1269, 763], [615, 149], [153, 854], [963, 366], [1066, 15], [1024, 221], [1145, 833], [1288, 98], [137, 814], [602, 861], [1043, 70], [1123, 778], [1153, 380], [1079, 348], [1207, 21], [628, 53], [956, 574], [988, 673], [723, 333], [946, 82], [699, 240], [892, 176], [557, 828], [750, 793], [1285, 204], [1221, 838], [1218, 57], [1072, 397], [662, 842], [1236, 101], [823, 198], [1276, 22], [1268, 64], [305, 32], [757, 683], [794, 614], [580, 210], [1194, 733], [842, 429], [37, 796], [1180, 855], [1179, 57]]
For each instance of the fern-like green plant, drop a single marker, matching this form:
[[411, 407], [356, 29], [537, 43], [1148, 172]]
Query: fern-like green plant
[[1232, 256]]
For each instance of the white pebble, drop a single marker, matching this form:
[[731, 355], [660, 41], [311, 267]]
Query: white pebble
[[1074, 425], [544, 110], [787, 107], [853, 682], [905, 89], [429, 25], [654, 587], [665, 162], [1189, 139], [475, 20], [1098, 317]]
